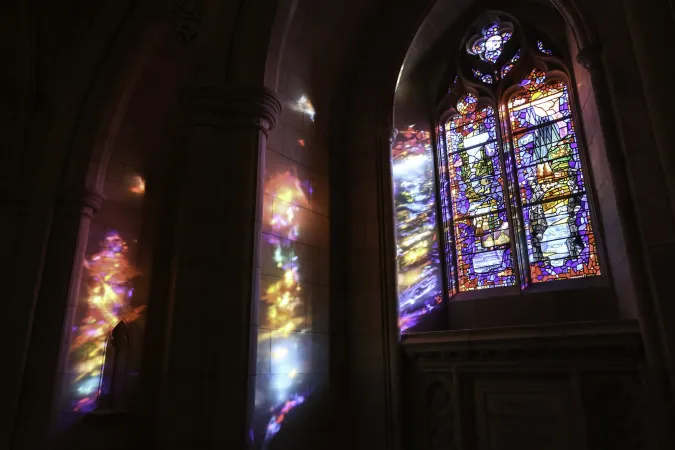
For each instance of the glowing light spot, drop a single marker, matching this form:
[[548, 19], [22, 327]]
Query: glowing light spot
[[137, 185], [280, 353], [305, 106]]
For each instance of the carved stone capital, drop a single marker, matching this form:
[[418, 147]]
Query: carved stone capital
[[233, 107], [589, 56], [84, 201]]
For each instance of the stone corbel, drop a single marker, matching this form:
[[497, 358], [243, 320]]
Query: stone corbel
[[233, 107]]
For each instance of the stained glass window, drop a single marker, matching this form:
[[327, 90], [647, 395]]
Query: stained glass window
[[509, 65], [480, 220], [489, 45], [485, 78], [513, 201], [544, 50], [560, 239]]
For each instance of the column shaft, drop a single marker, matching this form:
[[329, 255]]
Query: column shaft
[[52, 321], [215, 268]]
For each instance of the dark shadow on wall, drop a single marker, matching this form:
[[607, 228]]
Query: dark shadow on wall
[[105, 430], [311, 427]]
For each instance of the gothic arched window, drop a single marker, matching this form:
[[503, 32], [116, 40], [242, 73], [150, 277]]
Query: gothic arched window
[[516, 205]]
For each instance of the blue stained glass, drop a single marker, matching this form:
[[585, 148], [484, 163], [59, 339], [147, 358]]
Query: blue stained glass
[[485, 78], [482, 234], [489, 45], [559, 234], [509, 65]]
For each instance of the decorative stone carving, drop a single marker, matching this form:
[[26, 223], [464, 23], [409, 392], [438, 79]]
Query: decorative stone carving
[[440, 417], [85, 201], [187, 17], [541, 359], [234, 107]]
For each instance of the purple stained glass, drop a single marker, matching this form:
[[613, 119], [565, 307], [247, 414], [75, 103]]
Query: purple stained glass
[[489, 45], [485, 78], [559, 235], [544, 50], [482, 233]]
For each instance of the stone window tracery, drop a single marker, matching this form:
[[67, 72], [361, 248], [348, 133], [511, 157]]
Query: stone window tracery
[[517, 184], [509, 175]]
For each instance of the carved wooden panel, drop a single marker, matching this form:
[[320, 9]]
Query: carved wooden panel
[[564, 387], [615, 413], [439, 414], [522, 414]]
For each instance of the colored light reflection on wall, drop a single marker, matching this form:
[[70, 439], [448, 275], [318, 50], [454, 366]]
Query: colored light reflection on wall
[[305, 106], [418, 262], [283, 303], [108, 295], [137, 185]]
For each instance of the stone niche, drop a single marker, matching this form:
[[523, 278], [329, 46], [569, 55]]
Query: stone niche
[[557, 387]]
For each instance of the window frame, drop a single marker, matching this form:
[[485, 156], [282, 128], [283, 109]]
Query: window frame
[[503, 90]]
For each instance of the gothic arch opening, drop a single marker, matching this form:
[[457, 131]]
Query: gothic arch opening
[[430, 253]]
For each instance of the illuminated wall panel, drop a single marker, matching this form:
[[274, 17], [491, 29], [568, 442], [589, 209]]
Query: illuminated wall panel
[[109, 290], [292, 312], [107, 296], [418, 261]]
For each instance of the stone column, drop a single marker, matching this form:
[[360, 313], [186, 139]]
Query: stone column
[[215, 269], [46, 361], [652, 30], [660, 391]]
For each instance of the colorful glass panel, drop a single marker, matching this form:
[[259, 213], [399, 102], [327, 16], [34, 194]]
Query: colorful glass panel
[[509, 65], [481, 225], [544, 50], [485, 78], [418, 255], [489, 45], [556, 214]]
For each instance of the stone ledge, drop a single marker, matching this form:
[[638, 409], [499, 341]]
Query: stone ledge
[[606, 340]]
